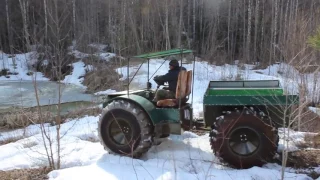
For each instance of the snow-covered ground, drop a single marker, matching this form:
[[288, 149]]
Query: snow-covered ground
[[21, 64], [106, 92], [100, 52], [315, 110], [18, 64], [17, 89], [74, 77], [22, 74], [291, 140], [187, 156]]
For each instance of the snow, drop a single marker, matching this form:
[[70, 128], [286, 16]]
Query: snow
[[23, 61], [78, 54], [106, 92], [101, 54], [79, 69], [19, 64], [30, 152], [186, 156], [76, 77], [106, 56], [315, 110], [98, 46], [110, 171], [293, 138]]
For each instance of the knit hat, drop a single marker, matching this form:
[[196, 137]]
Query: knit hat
[[174, 63]]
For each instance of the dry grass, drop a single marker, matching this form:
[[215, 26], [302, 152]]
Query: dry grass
[[29, 144], [314, 141], [307, 68], [10, 140], [82, 112], [304, 158], [102, 77], [310, 121], [25, 174], [89, 138], [22, 118], [310, 141]]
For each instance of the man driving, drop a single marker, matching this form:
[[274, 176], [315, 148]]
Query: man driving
[[172, 78]]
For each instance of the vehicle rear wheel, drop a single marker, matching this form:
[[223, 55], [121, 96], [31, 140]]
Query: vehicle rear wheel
[[244, 139], [125, 129]]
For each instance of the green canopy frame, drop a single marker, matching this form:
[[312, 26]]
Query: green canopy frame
[[162, 54], [159, 54]]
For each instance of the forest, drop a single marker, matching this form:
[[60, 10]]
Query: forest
[[219, 31], [64, 72]]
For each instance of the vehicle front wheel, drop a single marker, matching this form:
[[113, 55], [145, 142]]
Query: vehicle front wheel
[[125, 129]]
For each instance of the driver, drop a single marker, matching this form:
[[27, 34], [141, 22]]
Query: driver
[[172, 78]]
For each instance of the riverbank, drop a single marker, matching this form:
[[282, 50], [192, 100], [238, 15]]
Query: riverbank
[[89, 73], [15, 117]]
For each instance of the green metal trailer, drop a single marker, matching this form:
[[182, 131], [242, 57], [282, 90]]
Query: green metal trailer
[[244, 117], [266, 95]]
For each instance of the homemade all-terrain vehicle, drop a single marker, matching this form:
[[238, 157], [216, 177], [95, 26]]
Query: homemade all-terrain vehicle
[[242, 117]]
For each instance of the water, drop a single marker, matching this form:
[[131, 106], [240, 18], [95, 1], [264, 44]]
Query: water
[[14, 93]]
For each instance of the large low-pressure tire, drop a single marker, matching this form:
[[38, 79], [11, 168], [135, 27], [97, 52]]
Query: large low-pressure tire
[[244, 139], [125, 129]]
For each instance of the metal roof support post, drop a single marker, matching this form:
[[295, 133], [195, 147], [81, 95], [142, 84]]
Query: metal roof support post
[[194, 64], [180, 77], [157, 69], [128, 78], [148, 73]]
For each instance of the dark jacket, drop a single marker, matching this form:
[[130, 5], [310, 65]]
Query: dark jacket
[[171, 77]]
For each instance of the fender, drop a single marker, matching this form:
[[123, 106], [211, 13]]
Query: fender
[[156, 115]]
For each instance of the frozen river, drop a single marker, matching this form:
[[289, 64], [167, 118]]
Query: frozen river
[[16, 93]]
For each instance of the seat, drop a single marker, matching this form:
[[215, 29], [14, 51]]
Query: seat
[[182, 92]]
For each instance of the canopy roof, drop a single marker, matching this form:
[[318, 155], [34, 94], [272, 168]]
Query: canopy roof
[[161, 54]]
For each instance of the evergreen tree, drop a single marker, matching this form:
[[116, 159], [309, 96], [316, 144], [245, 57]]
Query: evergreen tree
[[314, 40]]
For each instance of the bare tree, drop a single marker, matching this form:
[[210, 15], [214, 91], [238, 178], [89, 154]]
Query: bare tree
[[24, 7], [168, 44], [73, 17], [213, 28], [249, 31], [134, 30], [8, 28], [180, 24], [256, 21], [45, 21]]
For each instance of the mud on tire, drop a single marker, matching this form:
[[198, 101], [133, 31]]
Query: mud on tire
[[244, 138], [125, 129]]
